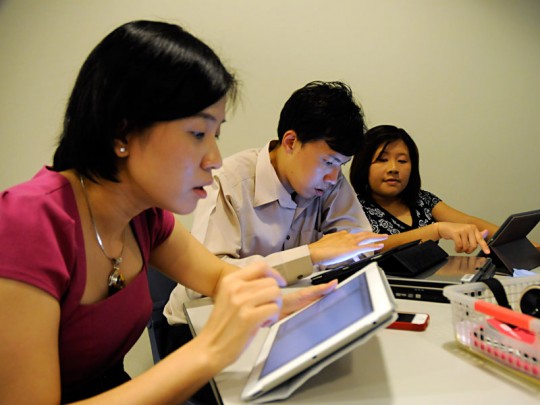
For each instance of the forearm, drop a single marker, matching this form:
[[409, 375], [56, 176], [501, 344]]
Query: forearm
[[172, 381], [429, 232], [444, 213], [292, 264]]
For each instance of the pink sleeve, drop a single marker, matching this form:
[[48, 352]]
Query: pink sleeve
[[153, 227], [161, 226], [37, 242]]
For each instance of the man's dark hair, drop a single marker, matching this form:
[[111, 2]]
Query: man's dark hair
[[324, 111]]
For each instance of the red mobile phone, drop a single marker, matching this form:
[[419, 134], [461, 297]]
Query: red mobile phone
[[410, 321]]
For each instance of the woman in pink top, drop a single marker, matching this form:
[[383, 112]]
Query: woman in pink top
[[139, 142]]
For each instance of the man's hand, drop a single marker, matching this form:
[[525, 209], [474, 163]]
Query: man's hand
[[340, 246]]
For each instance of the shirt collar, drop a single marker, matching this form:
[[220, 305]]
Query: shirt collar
[[268, 187]]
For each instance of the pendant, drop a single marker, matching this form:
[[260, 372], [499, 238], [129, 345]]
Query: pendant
[[116, 278]]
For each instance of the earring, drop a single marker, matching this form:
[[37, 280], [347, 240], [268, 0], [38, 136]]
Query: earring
[[122, 149]]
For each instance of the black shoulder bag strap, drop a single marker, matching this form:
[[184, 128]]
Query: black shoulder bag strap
[[498, 291]]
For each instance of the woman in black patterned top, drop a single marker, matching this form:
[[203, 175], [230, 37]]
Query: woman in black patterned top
[[386, 177]]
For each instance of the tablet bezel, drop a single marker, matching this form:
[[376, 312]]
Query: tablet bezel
[[515, 227], [384, 309]]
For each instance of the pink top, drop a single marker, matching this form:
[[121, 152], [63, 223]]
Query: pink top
[[42, 244]]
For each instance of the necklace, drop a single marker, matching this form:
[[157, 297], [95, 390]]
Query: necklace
[[116, 279]]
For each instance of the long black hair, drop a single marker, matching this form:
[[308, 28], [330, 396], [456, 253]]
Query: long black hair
[[141, 73], [361, 162]]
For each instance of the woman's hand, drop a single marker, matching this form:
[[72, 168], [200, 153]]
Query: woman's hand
[[340, 246], [299, 299], [245, 300], [466, 237]]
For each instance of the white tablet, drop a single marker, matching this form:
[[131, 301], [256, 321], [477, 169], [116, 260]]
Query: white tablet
[[359, 307]]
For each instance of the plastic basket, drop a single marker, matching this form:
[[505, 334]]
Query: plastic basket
[[505, 336]]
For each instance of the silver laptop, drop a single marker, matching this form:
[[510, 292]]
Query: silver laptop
[[358, 308]]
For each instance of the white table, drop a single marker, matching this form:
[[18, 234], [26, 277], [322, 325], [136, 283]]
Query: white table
[[395, 367]]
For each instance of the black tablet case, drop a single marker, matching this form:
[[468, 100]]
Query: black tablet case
[[414, 260], [510, 248]]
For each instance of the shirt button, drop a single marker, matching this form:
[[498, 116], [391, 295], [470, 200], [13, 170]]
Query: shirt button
[[288, 237]]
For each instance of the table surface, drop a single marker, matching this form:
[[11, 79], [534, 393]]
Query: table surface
[[394, 367]]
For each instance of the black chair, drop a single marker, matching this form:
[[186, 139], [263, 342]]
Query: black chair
[[165, 338], [159, 330]]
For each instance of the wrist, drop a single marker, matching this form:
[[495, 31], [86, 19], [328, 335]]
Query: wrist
[[208, 359], [313, 255], [186, 370], [437, 230]]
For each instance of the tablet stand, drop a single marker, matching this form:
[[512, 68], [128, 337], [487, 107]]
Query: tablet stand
[[286, 389], [519, 254]]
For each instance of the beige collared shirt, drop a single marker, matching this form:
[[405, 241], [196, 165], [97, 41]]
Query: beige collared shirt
[[248, 215]]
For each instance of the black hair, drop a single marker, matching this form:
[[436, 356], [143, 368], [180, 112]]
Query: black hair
[[361, 162], [327, 111], [143, 72]]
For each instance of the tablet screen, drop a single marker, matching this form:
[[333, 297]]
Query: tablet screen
[[319, 322]]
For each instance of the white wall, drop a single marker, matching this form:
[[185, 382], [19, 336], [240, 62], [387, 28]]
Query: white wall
[[462, 76]]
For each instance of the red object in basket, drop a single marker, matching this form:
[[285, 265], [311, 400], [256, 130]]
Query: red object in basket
[[515, 333]]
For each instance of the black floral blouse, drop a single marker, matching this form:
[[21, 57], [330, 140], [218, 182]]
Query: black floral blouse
[[384, 222]]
